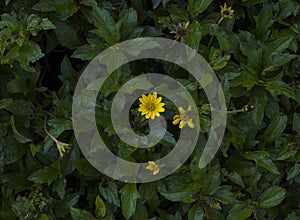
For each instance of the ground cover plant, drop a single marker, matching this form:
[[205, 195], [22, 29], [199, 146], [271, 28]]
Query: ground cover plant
[[253, 47]]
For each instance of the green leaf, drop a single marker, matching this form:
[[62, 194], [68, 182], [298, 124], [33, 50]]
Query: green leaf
[[88, 51], [279, 61], [224, 195], [263, 22], [28, 53], [272, 197], [296, 123], [7, 2], [196, 213], [66, 35], [63, 206], [85, 167], [235, 177], [288, 8], [176, 195], [129, 196], [275, 128], [44, 175], [20, 138], [13, 150], [59, 186], [106, 26], [261, 158], [293, 172], [78, 214], [252, 50], [241, 211], [196, 6], [194, 36], [100, 207], [275, 48], [35, 149], [217, 60], [110, 194], [259, 100], [17, 85], [128, 23], [278, 87], [5, 103], [65, 8], [247, 79]]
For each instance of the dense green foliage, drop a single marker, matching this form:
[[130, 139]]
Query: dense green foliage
[[45, 45]]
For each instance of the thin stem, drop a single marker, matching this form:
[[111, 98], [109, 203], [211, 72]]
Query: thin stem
[[47, 132], [212, 36]]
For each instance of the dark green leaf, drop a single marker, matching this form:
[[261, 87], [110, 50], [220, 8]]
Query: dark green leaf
[[241, 211], [129, 196], [195, 6], [272, 197]]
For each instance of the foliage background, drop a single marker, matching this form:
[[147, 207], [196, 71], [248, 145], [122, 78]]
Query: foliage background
[[44, 46]]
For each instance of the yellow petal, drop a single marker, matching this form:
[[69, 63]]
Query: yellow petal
[[190, 123], [148, 114], [176, 121], [181, 110], [153, 167], [160, 109], [158, 100], [152, 115], [159, 105], [154, 96], [182, 123]]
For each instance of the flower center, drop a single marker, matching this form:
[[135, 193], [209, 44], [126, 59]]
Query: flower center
[[226, 12], [151, 106]]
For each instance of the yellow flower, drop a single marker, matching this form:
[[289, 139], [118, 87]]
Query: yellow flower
[[153, 167], [151, 105], [226, 12], [184, 118]]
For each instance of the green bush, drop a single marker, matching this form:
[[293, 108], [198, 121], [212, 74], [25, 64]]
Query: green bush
[[46, 44]]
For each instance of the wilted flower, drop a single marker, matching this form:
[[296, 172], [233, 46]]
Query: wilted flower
[[184, 118], [153, 167], [181, 31]]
